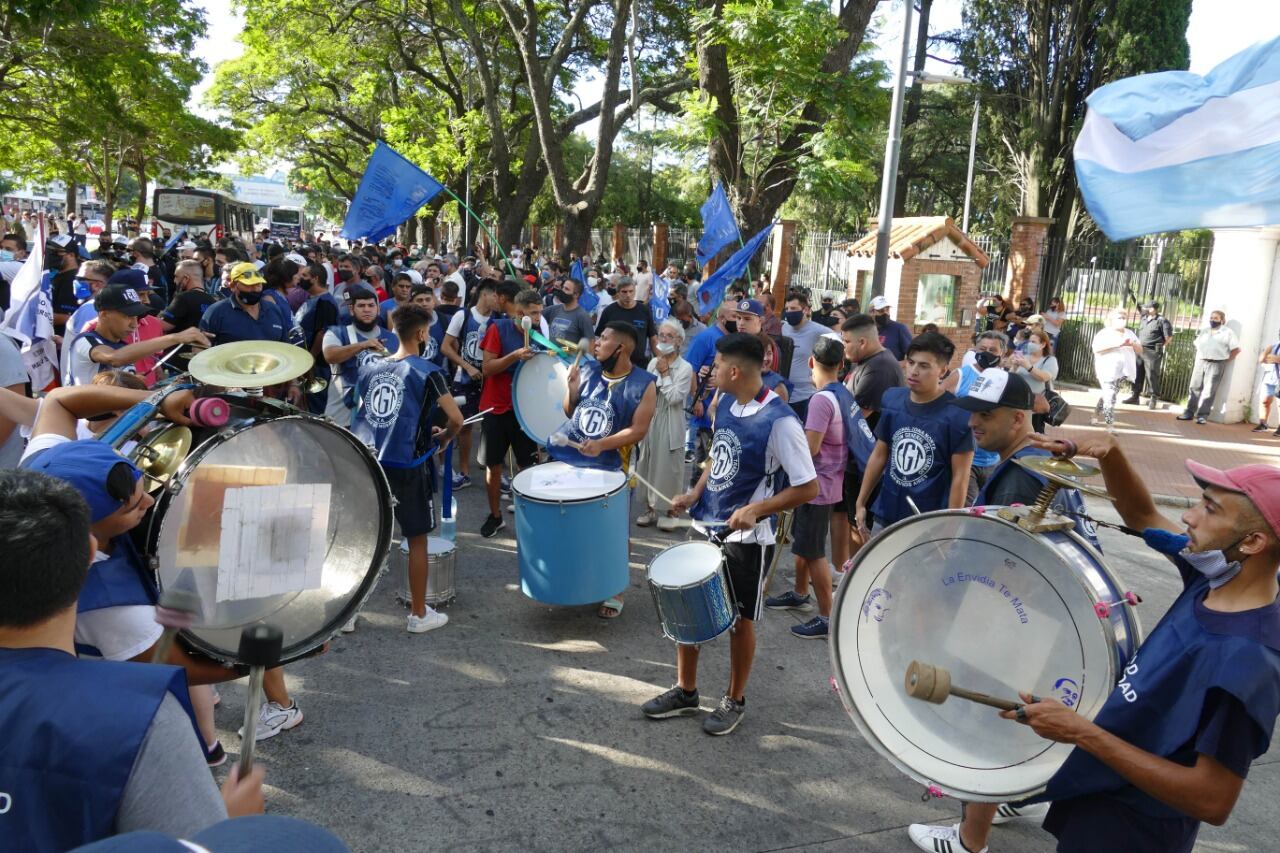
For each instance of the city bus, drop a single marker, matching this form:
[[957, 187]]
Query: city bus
[[286, 222], [207, 214]]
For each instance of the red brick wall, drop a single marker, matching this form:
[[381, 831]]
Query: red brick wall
[[966, 297], [660, 237], [1026, 247]]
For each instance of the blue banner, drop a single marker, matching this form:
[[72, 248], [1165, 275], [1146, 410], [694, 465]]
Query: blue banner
[[718, 226], [712, 290], [659, 305], [588, 299], [391, 190]]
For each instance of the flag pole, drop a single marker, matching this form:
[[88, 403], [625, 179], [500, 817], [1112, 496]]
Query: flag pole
[[485, 228]]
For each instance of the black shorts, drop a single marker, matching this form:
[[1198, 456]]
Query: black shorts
[[500, 432], [746, 563], [848, 490], [412, 490], [809, 528], [470, 393]]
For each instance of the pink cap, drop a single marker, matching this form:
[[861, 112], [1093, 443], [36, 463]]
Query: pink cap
[[1259, 483]]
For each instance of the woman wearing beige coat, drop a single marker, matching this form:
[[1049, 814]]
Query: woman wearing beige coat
[[662, 450]]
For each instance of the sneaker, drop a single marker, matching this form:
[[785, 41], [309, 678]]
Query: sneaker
[[492, 525], [1201, 420], [1277, 432], [1006, 812], [1259, 428], [667, 523], [938, 839], [725, 717], [647, 518], [274, 719], [460, 480], [505, 486], [789, 601], [1132, 401], [674, 703], [1184, 417], [814, 629], [215, 756], [350, 626], [429, 621], [688, 457]]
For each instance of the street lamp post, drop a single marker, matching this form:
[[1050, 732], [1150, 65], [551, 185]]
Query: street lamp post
[[957, 80], [893, 145]]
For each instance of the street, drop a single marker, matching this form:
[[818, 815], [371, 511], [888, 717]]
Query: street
[[517, 727]]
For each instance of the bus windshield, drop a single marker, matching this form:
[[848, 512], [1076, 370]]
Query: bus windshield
[[283, 216], [185, 208]]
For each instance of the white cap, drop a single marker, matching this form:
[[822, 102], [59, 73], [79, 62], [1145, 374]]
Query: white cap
[[414, 276], [879, 303], [296, 258], [188, 245], [259, 264]]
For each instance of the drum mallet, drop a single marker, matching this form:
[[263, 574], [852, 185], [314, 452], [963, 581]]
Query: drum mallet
[[260, 647], [526, 324], [930, 683], [582, 348], [176, 611]]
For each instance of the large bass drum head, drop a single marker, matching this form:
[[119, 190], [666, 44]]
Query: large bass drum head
[[1003, 610], [537, 395], [284, 521]]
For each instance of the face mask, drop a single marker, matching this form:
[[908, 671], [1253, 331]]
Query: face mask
[[985, 359], [1212, 564], [364, 327], [881, 319], [1213, 324], [561, 296], [546, 275], [665, 348], [249, 297], [612, 291], [83, 290], [685, 323], [397, 263], [731, 326], [1033, 348], [6, 255], [592, 282], [346, 275], [53, 261], [611, 362], [793, 318]]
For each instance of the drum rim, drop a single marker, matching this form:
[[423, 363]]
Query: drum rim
[[515, 405], [648, 570], [178, 481], [516, 493], [859, 718]]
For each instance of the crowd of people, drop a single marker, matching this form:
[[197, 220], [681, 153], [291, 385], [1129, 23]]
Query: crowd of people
[[739, 414]]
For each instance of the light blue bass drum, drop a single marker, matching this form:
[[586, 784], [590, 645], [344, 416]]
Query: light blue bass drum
[[571, 533]]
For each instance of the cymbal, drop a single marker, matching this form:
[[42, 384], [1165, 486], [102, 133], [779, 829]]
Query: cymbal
[[1064, 472], [161, 453], [250, 364]]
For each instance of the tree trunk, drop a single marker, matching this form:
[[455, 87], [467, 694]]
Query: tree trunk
[[912, 112], [577, 235], [70, 199], [409, 236], [140, 171]]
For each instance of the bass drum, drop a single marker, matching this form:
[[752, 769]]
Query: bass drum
[[282, 520], [1002, 609], [537, 396]]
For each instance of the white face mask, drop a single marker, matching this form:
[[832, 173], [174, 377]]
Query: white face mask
[[665, 348], [1117, 323]]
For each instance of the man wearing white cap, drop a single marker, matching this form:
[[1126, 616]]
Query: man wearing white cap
[[894, 336]]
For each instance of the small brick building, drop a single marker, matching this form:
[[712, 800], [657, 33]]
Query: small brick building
[[934, 275]]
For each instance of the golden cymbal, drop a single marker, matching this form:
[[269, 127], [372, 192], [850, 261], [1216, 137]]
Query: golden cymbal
[[250, 364], [160, 454], [1064, 472]]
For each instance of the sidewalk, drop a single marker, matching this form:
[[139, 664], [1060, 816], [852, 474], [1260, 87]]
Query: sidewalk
[[1158, 444]]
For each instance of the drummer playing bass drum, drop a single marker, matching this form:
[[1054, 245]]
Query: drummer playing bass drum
[[756, 436]]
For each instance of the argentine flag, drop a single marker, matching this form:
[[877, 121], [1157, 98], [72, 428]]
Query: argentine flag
[[1174, 150]]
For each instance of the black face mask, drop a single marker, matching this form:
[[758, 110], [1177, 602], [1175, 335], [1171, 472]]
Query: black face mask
[[249, 297], [730, 326], [561, 296], [881, 320], [346, 275], [985, 359], [53, 261], [612, 291], [608, 364]]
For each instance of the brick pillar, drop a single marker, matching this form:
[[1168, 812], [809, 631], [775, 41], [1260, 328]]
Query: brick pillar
[[660, 236], [535, 231], [558, 239], [1026, 248], [619, 240], [784, 246]]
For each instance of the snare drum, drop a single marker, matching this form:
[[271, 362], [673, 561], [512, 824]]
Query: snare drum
[[571, 533], [537, 395], [1002, 609], [442, 558], [283, 520], [691, 591]]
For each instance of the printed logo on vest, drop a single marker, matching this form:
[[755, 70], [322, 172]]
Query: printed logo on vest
[[471, 348], [594, 418], [382, 399], [432, 350], [913, 451], [724, 456]]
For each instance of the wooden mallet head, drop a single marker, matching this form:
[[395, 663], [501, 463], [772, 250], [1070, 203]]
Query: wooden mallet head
[[928, 683]]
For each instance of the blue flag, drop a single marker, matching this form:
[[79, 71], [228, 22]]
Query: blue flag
[[659, 305], [712, 290], [718, 227], [588, 299], [391, 190]]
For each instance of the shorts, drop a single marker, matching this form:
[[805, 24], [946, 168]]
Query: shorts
[[498, 433], [414, 510], [809, 528], [470, 394], [848, 491], [1269, 389], [746, 564]]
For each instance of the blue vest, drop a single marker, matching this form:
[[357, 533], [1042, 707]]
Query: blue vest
[[469, 343], [392, 394], [772, 379], [1067, 501], [307, 321], [435, 341], [97, 340], [348, 370], [64, 769], [1158, 702], [605, 408], [121, 580], [737, 457]]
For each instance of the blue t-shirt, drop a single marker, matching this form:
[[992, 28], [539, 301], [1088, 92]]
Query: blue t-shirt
[[701, 353], [895, 337], [981, 458], [228, 322], [922, 438]]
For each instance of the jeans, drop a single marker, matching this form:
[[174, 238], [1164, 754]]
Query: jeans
[[1205, 379], [1149, 367]]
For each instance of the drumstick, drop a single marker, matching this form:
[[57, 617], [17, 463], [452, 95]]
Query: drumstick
[[913, 506], [260, 647], [652, 488], [477, 416], [930, 683], [526, 323], [176, 612], [582, 347], [170, 354]]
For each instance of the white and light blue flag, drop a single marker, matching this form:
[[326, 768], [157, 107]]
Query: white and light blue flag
[[1174, 150], [29, 320]]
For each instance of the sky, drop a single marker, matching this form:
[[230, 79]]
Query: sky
[[1216, 32]]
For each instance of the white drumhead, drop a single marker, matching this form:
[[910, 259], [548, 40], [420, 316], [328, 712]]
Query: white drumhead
[[560, 481], [537, 395], [1002, 610], [439, 545], [684, 564]]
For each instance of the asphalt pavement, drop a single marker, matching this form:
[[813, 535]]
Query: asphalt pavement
[[517, 727]]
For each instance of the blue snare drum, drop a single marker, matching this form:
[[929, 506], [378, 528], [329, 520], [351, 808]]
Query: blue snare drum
[[691, 592], [571, 533]]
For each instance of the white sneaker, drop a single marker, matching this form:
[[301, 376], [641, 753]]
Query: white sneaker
[[1006, 812], [422, 624], [350, 627], [938, 839], [274, 719]]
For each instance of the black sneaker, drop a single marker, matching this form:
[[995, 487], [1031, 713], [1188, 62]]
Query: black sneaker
[[725, 717], [688, 457], [215, 756], [1185, 417], [1200, 420], [492, 525], [1260, 428], [674, 703]]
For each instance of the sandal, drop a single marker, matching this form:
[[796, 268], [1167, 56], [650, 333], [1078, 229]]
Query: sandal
[[614, 604], [647, 518]]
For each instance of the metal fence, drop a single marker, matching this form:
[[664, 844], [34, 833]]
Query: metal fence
[[994, 274], [1094, 276], [819, 264]]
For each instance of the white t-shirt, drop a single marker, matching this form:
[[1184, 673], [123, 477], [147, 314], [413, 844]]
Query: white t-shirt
[[83, 368], [334, 409], [787, 448], [455, 331]]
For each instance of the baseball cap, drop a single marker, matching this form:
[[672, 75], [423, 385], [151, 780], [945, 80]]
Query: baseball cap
[[1259, 483], [296, 258], [66, 243], [122, 298], [131, 277], [828, 300], [995, 388], [879, 303], [751, 306], [1150, 304], [88, 466], [245, 273], [188, 245]]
